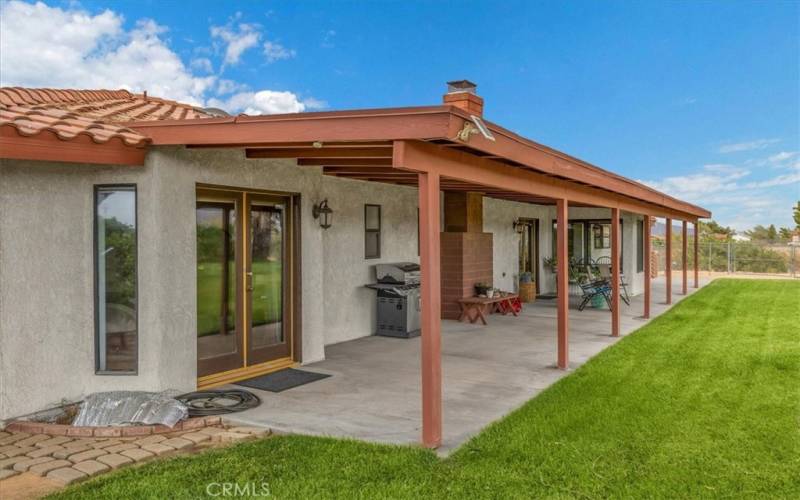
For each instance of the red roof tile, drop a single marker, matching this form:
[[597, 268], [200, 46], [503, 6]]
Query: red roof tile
[[105, 105], [66, 125], [99, 116]]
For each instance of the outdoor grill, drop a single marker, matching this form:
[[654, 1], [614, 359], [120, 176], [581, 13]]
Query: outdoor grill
[[398, 299]]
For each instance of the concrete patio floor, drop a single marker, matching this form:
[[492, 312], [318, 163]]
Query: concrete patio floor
[[488, 371]]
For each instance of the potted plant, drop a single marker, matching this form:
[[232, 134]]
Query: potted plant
[[527, 287], [551, 263], [598, 302], [482, 289]]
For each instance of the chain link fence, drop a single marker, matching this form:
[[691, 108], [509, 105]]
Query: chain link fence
[[733, 257]]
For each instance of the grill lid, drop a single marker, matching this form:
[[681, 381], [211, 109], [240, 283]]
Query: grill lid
[[399, 272]]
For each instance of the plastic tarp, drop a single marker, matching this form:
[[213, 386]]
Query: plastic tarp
[[117, 408]]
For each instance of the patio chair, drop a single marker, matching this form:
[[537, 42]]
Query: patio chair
[[592, 289], [605, 274]]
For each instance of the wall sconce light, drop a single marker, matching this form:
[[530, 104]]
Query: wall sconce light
[[324, 213], [519, 226]]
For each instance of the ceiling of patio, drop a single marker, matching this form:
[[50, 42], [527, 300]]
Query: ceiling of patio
[[372, 161]]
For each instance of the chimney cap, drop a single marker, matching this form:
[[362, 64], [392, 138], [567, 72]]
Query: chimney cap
[[461, 86]]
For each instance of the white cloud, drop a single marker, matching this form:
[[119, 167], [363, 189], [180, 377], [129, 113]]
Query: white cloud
[[265, 102], [328, 39], [237, 39], [225, 86], [735, 200], [202, 64], [780, 180], [312, 103], [46, 46], [782, 157], [274, 51], [746, 146], [714, 178]]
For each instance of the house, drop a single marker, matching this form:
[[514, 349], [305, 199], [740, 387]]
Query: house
[[146, 244]]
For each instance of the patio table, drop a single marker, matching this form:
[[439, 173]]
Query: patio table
[[473, 308]]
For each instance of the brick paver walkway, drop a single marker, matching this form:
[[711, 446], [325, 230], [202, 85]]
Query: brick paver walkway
[[66, 460]]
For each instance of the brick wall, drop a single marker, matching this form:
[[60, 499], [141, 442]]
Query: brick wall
[[466, 260], [654, 264]]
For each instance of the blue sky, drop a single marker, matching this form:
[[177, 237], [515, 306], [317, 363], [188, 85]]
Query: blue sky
[[701, 99]]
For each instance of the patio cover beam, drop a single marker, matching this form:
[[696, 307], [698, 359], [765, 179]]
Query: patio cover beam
[[615, 241], [668, 262], [333, 153], [378, 127], [420, 156], [647, 236], [684, 257], [696, 255]]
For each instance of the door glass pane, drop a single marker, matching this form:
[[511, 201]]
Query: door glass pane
[[216, 280], [577, 241], [266, 250], [115, 258], [525, 265]]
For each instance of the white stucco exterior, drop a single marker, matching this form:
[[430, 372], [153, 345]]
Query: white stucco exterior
[[46, 264]]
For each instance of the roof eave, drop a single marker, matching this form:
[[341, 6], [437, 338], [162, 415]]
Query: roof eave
[[386, 124], [47, 146]]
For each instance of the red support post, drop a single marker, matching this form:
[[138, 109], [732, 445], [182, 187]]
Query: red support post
[[646, 234], [685, 257], [668, 264], [431, 297], [562, 279], [615, 302], [696, 254]]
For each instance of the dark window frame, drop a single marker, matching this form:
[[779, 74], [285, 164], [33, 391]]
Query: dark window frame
[[368, 231], [97, 188], [601, 239], [587, 225]]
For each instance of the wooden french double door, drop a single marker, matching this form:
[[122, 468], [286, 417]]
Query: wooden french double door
[[244, 281]]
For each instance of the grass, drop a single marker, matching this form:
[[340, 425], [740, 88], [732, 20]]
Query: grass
[[267, 288], [704, 401]]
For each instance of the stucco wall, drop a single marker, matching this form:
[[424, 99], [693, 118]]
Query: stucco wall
[[46, 287], [46, 264], [498, 219], [46, 268], [349, 307], [499, 216]]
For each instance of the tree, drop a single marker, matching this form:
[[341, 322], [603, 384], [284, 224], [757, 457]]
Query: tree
[[712, 230], [797, 216], [764, 234], [785, 233]]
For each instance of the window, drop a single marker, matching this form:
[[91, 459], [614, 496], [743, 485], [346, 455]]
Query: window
[[601, 234], [115, 254], [372, 231], [575, 240], [639, 246]]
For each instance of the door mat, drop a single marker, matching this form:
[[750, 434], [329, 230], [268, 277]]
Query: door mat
[[282, 380], [547, 296]]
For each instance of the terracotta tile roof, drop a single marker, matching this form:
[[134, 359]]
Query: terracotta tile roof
[[105, 105], [77, 119], [66, 125]]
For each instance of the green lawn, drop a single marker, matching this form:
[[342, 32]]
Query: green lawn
[[267, 288], [702, 402]]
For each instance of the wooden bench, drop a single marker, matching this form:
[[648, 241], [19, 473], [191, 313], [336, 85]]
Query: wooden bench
[[473, 308]]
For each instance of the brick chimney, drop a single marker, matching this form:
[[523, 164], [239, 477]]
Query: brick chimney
[[461, 94]]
